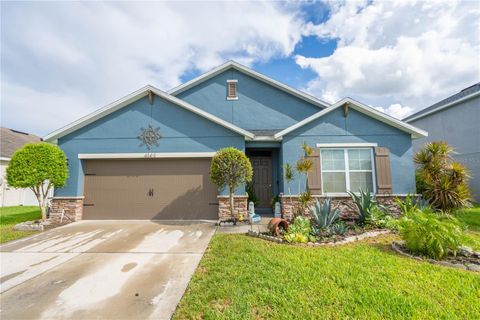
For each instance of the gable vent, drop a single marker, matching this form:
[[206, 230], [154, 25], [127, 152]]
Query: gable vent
[[232, 90]]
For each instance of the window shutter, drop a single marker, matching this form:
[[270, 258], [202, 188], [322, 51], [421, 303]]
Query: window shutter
[[383, 171], [314, 182]]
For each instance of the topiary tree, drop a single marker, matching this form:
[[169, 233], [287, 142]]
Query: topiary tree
[[40, 167], [230, 167], [442, 181]]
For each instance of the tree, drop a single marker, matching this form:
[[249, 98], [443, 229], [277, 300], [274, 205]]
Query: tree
[[40, 167], [443, 181], [230, 167]]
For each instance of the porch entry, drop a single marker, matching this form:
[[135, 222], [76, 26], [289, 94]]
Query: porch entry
[[262, 180]]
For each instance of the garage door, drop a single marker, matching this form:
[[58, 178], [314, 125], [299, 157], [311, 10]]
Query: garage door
[[149, 189]]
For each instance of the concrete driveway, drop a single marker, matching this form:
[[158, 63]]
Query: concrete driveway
[[101, 270]]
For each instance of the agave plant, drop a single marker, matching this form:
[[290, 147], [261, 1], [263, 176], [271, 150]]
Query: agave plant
[[444, 182], [323, 214], [364, 202]]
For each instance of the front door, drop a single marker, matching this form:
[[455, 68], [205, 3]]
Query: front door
[[262, 180]]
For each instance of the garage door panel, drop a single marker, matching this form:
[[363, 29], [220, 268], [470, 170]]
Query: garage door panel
[[149, 189]]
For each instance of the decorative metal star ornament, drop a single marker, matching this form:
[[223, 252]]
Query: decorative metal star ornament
[[149, 137]]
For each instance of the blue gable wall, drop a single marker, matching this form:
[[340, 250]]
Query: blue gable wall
[[356, 128], [181, 131], [259, 105]]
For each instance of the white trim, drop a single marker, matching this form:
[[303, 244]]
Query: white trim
[[232, 80], [347, 170], [414, 131], [5, 159], [134, 97], [266, 138], [232, 64], [232, 98], [153, 155], [346, 145], [413, 117]]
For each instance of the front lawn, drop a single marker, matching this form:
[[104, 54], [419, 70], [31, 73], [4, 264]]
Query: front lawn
[[247, 278], [10, 216]]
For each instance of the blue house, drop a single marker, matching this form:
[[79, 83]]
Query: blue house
[[147, 155]]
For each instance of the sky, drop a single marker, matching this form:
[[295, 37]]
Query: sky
[[61, 61]]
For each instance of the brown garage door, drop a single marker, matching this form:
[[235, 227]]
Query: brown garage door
[[149, 189]]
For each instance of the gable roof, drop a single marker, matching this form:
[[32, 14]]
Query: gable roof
[[12, 140], [100, 113], [369, 111], [465, 94], [237, 66]]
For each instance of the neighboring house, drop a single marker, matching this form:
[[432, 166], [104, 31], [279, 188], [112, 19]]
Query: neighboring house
[[455, 120], [147, 155], [10, 141]]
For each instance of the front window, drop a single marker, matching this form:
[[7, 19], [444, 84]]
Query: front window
[[347, 169]]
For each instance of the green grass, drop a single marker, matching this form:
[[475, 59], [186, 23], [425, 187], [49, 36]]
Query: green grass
[[471, 217], [247, 278], [10, 216]]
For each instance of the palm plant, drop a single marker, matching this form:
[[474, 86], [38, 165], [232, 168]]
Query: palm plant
[[323, 214], [289, 174], [444, 182], [304, 165]]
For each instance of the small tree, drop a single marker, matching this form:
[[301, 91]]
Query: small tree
[[40, 167], [443, 181], [230, 167]]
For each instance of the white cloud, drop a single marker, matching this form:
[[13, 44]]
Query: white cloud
[[390, 52], [76, 57], [396, 110]]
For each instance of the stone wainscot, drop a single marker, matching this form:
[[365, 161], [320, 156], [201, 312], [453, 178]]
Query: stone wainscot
[[240, 207], [65, 210], [289, 203]]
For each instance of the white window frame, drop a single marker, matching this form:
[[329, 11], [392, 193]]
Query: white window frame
[[236, 89], [347, 170]]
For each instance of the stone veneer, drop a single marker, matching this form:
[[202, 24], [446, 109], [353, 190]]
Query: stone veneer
[[71, 207], [345, 203], [240, 207]]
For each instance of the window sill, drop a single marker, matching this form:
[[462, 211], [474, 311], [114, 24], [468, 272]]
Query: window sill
[[228, 98]]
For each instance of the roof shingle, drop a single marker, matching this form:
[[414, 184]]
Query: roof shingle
[[11, 140]]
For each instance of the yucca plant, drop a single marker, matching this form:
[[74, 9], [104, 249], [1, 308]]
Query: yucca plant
[[443, 181], [431, 235], [323, 214]]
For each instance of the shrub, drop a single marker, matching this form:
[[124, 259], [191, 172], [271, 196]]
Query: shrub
[[300, 231], [40, 167], [303, 201], [229, 168], [431, 235], [442, 181], [252, 197], [323, 214]]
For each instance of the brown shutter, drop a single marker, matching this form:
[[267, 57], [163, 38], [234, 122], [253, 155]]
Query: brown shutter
[[383, 171], [314, 181]]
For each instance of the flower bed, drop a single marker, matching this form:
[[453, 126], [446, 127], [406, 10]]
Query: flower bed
[[330, 241], [466, 258]]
